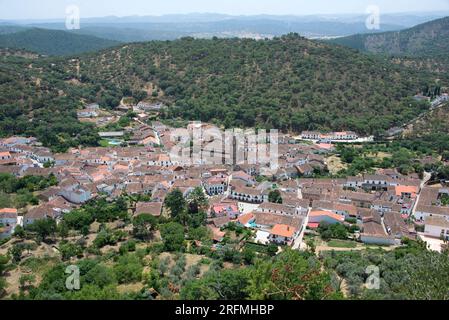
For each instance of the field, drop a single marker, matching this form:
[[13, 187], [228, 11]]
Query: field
[[342, 244]]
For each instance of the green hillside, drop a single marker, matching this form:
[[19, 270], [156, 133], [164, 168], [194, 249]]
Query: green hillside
[[288, 83], [428, 39], [53, 42]]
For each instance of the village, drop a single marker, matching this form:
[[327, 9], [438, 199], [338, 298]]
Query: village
[[285, 207]]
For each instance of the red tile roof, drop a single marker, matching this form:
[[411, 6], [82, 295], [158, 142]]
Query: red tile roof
[[327, 213], [283, 230], [244, 219]]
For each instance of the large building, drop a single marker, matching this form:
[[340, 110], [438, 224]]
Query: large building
[[437, 227]]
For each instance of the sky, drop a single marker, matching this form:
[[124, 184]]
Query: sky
[[55, 9]]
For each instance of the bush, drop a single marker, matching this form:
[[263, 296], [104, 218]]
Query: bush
[[69, 250], [129, 246], [173, 236], [106, 237], [128, 269], [333, 231], [272, 249]]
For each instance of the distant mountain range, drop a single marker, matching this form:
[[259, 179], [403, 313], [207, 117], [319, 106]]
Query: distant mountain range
[[428, 39], [51, 42], [208, 25]]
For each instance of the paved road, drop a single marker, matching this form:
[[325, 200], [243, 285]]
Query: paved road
[[427, 177], [298, 244], [424, 114]]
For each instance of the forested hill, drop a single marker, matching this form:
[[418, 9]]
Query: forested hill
[[288, 83], [53, 42], [428, 39]]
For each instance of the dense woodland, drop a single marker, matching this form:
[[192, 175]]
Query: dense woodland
[[288, 83], [53, 42], [423, 47], [37, 99], [427, 39]]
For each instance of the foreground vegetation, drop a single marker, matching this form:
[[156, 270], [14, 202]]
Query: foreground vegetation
[[174, 257]]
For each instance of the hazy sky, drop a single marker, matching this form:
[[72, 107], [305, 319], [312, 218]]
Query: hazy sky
[[54, 9]]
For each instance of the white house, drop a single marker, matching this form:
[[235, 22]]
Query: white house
[[73, 192], [8, 221], [250, 195], [87, 114], [279, 209], [437, 227], [310, 135], [77, 196], [243, 176], [376, 181], [161, 160], [5, 155], [424, 211], [43, 156], [353, 182], [346, 135], [283, 234], [216, 185]]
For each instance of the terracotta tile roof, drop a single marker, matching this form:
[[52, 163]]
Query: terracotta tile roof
[[395, 224], [190, 183], [245, 218], [269, 219], [331, 205], [9, 213], [406, 189], [268, 206], [8, 210], [374, 229], [224, 208], [220, 221], [328, 214], [217, 234], [283, 230], [242, 175]]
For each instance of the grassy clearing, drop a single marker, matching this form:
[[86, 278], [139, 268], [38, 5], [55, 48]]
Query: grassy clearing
[[104, 143], [335, 164], [342, 244], [380, 155], [256, 247]]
